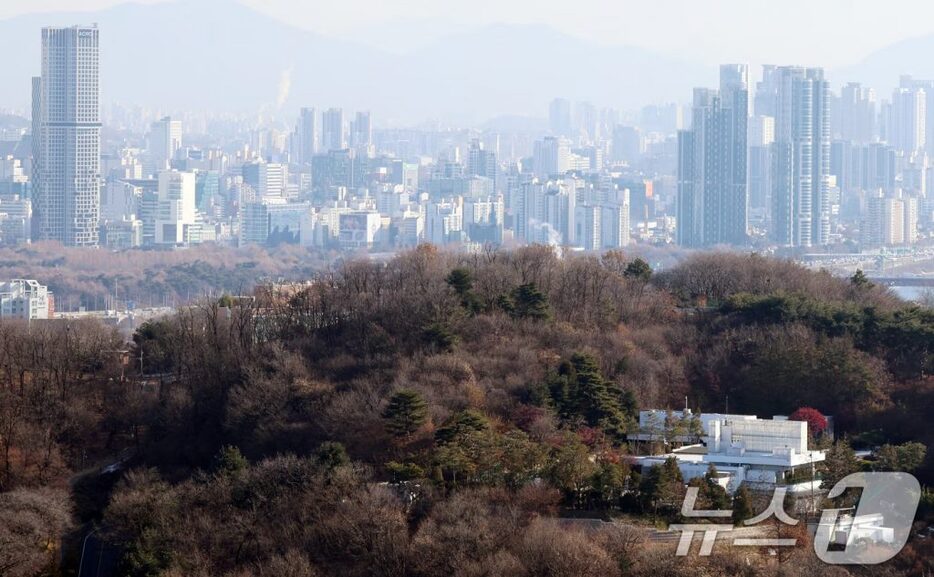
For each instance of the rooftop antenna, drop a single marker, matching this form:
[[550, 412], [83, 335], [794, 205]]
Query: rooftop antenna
[[727, 404]]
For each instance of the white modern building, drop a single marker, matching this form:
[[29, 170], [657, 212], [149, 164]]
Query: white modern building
[[176, 215], [443, 220], [25, 299], [743, 448], [359, 229], [165, 140]]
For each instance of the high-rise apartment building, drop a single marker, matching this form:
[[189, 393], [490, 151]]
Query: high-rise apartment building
[[559, 117], [481, 162], [766, 101], [856, 114], [712, 181], [68, 129], [165, 139], [332, 130], [761, 135], [801, 158], [628, 144], [907, 129], [306, 134], [551, 156], [927, 86], [361, 132]]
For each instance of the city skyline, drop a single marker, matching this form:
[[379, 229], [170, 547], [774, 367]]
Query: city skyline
[[474, 289], [785, 163]]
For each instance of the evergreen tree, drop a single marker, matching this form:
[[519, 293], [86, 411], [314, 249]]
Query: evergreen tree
[[230, 461], [840, 462], [332, 455], [638, 270], [608, 482], [438, 337], [461, 280], [572, 469], [580, 391], [860, 280], [460, 423], [742, 505], [711, 495], [663, 486], [406, 413], [527, 302], [906, 457]]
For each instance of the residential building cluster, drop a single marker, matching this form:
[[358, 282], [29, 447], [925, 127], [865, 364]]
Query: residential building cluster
[[782, 163]]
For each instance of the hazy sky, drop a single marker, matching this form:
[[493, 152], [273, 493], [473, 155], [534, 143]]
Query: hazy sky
[[828, 32]]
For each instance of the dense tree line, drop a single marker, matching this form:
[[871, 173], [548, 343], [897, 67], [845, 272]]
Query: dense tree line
[[431, 415], [144, 277]]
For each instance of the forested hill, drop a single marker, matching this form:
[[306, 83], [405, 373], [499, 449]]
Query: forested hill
[[433, 414]]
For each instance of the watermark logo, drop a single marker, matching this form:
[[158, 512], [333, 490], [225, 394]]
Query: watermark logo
[[874, 532], [879, 527]]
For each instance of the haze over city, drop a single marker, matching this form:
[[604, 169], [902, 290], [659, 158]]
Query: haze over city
[[625, 54], [475, 289]]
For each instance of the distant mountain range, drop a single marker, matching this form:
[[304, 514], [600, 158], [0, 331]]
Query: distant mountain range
[[881, 69], [219, 54]]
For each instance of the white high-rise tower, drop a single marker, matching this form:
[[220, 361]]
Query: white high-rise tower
[[66, 200]]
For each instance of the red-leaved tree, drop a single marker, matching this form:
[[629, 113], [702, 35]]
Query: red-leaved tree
[[815, 420]]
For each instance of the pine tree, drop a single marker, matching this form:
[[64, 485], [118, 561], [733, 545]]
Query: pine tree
[[406, 413], [742, 505], [663, 486], [230, 461], [597, 400], [528, 302], [840, 462], [462, 422], [714, 495], [638, 270], [461, 280], [332, 455], [860, 280]]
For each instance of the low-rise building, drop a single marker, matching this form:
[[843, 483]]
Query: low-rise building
[[763, 453], [25, 299]]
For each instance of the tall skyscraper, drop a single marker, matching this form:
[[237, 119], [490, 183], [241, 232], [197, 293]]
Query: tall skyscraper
[[907, 119], [559, 117], [766, 101], [712, 182], [927, 86], [165, 139], [481, 162], [761, 135], [551, 156], [856, 113], [332, 130], [801, 159], [361, 132], [67, 98], [307, 134]]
